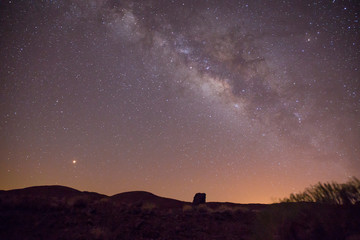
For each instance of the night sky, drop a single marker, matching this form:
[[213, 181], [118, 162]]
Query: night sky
[[247, 101]]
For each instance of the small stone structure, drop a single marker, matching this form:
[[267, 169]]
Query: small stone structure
[[199, 198]]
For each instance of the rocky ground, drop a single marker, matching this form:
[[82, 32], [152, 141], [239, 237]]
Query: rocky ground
[[57, 212]]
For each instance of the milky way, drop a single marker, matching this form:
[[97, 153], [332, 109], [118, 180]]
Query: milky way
[[247, 101]]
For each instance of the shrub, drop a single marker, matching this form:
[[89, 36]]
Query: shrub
[[203, 208], [187, 208], [331, 193], [148, 206], [230, 209], [78, 202]]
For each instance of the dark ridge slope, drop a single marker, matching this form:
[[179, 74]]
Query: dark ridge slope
[[141, 197], [56, 191]]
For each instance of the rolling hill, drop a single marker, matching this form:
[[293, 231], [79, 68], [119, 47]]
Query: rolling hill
[[58, 212]]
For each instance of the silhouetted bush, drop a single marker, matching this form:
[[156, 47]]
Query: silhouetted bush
[[148, 206], [78, 202], [332, 193], [230, 209], [187, 208]]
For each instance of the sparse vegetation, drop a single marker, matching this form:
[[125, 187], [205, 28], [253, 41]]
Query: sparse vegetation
[[229, 209], [78, 202], [203, 208], [330, 193], [307, 221], [187, 208], [90, 216], [148, 206]]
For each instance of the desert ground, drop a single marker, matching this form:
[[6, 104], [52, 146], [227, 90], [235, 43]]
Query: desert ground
[[57, 212]]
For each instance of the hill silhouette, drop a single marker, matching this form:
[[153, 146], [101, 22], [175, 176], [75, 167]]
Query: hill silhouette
[[58, 212], [47, 191], [141, 197]]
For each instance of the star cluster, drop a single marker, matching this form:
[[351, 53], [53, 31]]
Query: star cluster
[[244, 100]]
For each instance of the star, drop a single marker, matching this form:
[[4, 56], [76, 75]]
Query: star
[[149, 93]]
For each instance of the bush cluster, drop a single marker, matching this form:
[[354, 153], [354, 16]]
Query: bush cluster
[[332, 193]]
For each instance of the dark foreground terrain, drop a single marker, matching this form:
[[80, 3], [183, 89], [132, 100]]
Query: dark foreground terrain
[[56, 212]]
